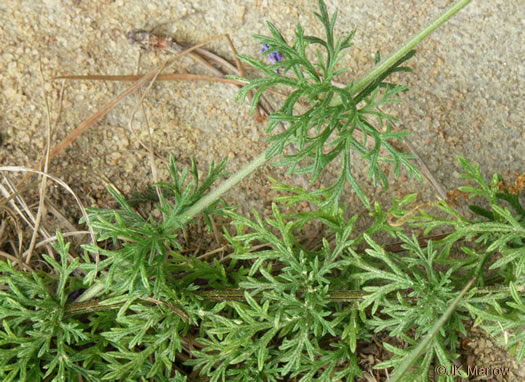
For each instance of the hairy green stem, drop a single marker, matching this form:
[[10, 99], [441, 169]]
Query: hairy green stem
[[340, 295], [371, 76], [385, 64], [235, 294], [224, 187], [238, 295]]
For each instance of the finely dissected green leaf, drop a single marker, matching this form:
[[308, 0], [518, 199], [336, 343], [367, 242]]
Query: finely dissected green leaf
[[37, 340], [421, 347], [140, 264], [322, 129]]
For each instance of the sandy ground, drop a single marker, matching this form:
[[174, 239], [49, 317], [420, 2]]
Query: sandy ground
[[466, 92]]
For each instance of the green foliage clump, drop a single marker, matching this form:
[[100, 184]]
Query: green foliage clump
[[277, 307], [37, 339]]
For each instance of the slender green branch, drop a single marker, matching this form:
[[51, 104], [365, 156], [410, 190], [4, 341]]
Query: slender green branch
[[237, 294], [335, 296], [385, 64], [224, 187]]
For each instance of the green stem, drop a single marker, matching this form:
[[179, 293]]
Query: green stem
[[224, 187], [385, 64], [237, 294]]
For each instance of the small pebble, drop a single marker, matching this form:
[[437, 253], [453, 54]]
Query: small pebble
[[115, 155]]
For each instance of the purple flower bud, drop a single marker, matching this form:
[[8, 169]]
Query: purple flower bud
[[274, 57]]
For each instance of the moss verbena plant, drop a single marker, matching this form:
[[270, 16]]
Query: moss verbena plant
[[276, 308]]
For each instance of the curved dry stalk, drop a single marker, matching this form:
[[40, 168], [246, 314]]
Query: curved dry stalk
[[18, 230], [160, 77], [60, 182], [43, 188], [19, 205], [65, 234], [147, 40], [17, 261]]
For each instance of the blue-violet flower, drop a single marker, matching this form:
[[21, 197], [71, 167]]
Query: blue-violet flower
[[274, 57]]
